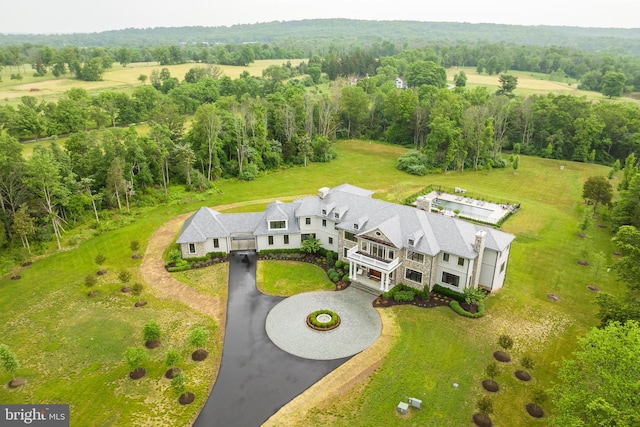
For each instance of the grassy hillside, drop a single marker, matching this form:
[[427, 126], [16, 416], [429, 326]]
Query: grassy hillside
[[71, 346]]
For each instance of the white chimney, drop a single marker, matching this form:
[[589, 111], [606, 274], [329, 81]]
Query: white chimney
[[322, 193]]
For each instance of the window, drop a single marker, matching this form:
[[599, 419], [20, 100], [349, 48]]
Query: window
[[350, 236], [277, 225], [336, 215], [304, 237], [324, 222], [324, 211], [414, 256], [345, 252], [286, 239], [216, 243], [502, 267], [355, 226], [460, 261], [192, 248], [391, 254], [451, 279], [307, 221], [364, 246], [414, 276], [331, 240], [411, 242], [445, 257], [271, 240]]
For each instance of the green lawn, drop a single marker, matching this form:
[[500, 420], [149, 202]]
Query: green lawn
[[71, 346], [286, 278]]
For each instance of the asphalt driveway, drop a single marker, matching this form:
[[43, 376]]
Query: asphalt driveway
[[256, 377]]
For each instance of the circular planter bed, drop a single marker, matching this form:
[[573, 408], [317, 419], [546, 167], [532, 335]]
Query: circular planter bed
[[581, 235], [17, 382], [136, 256], [323, 320], [593, 288], [101, 272], [523, 375], [172, 373], [482, 420], [583, 262], [152, 344], [501, 356], [16, 277], [490, 385], [534, 410], [199, 355], [137, 374], [616, 253], [186, 398], [94, 294], [553, 297], [140, 304], [27, 264], [126, 289]]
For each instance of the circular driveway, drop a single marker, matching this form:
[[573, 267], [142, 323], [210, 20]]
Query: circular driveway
[[360, 324]]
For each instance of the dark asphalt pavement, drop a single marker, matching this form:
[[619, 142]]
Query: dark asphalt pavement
[[256, 378]]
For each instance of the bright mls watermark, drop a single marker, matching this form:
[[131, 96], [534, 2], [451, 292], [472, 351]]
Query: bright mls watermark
[[34, 415]]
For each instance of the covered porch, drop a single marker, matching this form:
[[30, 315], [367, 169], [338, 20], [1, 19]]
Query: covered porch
[[370, 271]]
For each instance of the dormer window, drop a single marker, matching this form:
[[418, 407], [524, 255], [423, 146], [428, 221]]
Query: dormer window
[[324, 211], [277, 225], [411, 242], [336, 215], [355, 226]]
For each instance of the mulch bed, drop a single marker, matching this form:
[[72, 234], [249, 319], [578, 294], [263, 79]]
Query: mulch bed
[[602, 225], [137, 374], [18, 382], [16, 277], [534, 410], [152, 344], [482, 420], [199, 355], [435, 300], [490, 385], [136, 256], [616, 253], [583, 262], [523, 375], [186, 398], [27, 264], [501, 356], [101, 272], [581, 235], [172, 373], [126, 289], [593, 288], [94, 294], [140, 304], [553, 297]]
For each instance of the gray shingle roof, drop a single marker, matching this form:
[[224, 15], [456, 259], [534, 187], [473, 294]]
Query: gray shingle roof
[[432, 233]]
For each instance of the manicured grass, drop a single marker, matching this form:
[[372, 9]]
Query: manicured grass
[[286, 278], [209, 280], [48, 320]]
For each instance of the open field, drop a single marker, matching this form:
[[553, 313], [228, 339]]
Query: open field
[[528, 83], [71, 346], [118, 78]]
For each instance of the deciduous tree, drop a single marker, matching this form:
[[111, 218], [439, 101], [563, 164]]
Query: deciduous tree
[[596, 190]]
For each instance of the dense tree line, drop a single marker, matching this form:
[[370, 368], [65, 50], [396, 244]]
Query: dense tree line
[[320, 36]]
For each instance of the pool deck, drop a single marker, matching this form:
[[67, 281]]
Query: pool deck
[[495, 211]]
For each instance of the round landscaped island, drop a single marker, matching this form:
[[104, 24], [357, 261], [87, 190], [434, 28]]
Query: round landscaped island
[[323, 320]]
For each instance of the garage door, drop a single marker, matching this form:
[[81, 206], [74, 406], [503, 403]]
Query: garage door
[[243, 243]]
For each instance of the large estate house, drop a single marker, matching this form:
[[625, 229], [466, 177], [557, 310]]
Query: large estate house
[[384, 243]]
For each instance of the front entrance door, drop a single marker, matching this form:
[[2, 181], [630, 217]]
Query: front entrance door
[[375, 275]]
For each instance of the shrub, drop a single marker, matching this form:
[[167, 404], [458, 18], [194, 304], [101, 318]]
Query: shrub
[[134, 246], [135, 356], [539, 396], [484, 405], [455, 306], [100, 259], [124, 276], [492, 370], [173, 358], [528, 362], [505, 341], [404, 295], [448, 293], [345, 278], [340, 264], [178, 384], [330, 259], [151, 331], [137, 289], [182, 267], [271, 251], [311, 246], [90, 280], [314, 321], [198, 337], [473, 296], [175, 255]]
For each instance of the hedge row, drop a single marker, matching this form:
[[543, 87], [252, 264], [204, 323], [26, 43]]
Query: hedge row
[[455, 306], [448, 293], [280, 251], [183, 267]]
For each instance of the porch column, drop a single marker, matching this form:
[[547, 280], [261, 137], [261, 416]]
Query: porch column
[[386, 282], [352, 270], [382, 282]]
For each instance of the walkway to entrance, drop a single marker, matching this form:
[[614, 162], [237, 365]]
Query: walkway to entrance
[[256, 377]]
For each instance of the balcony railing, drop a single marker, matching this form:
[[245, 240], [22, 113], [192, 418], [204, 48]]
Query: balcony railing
[[386, 266]]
